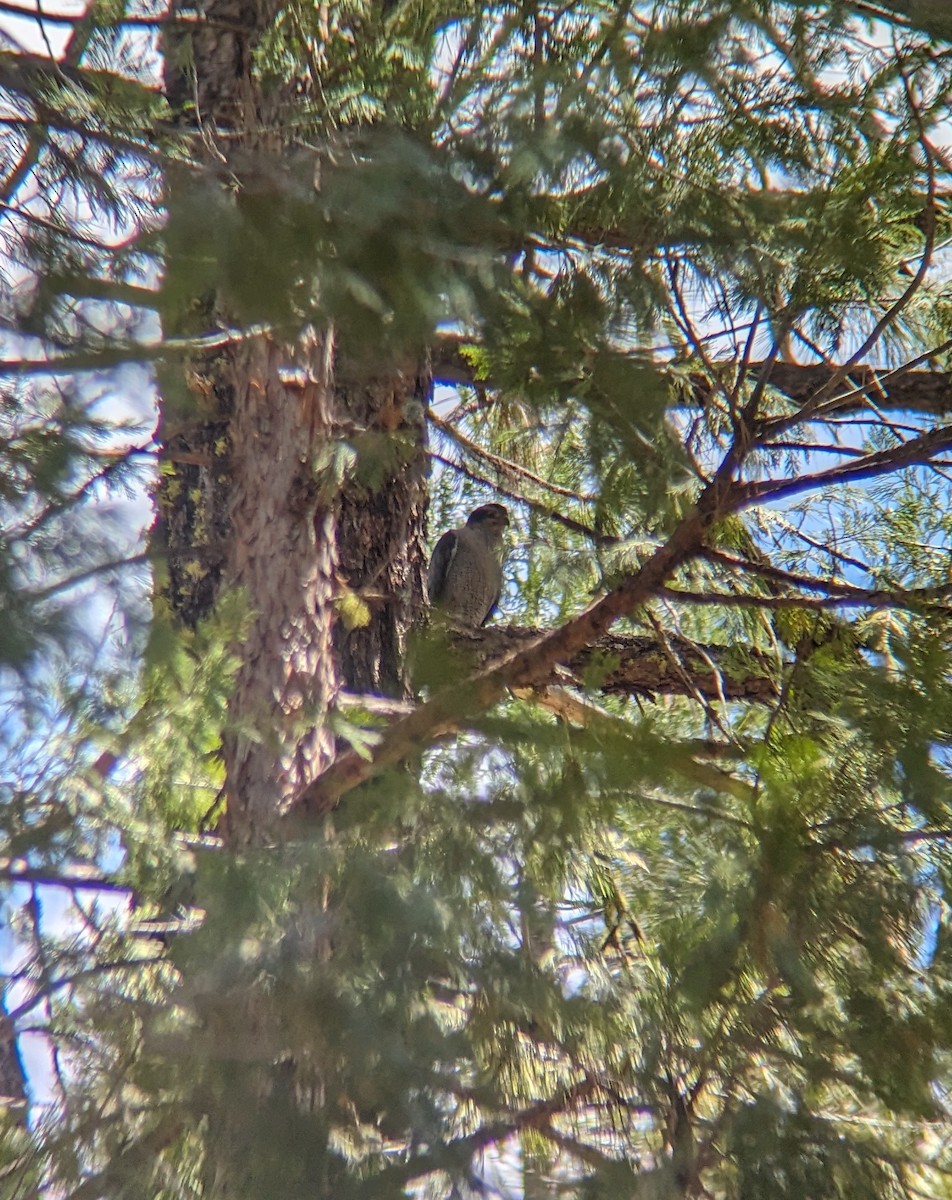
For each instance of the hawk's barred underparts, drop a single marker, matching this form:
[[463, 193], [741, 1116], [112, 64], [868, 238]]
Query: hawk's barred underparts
[[465, 575]]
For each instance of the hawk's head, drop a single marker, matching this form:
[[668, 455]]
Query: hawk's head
[[491, 519]]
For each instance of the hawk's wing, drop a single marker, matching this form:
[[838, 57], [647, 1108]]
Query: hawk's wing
[[443, 555], [492, 608]]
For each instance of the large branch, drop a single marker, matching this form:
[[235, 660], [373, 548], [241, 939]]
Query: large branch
[[640, 664], [914, 452], [899, 390], [930, 16]]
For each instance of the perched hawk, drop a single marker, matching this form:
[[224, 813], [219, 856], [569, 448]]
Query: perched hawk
[[465, 576]]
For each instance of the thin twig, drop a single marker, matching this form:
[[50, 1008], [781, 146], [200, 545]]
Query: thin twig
[[504, 465]]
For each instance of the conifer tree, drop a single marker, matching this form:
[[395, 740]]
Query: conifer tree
[[638, 891]]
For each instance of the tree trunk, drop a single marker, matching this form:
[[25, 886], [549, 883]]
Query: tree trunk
[[381, 527], [282, 557], [333, 578], [330, 571]]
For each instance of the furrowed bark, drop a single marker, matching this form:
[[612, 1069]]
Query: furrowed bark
[[282, 556], [382, 526], [254, 519], [329, 568], [332, 574]]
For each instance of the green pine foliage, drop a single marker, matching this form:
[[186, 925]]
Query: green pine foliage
[[678, 942]]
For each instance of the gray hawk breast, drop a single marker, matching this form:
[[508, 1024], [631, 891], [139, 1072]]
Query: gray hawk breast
[[465, 574]]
